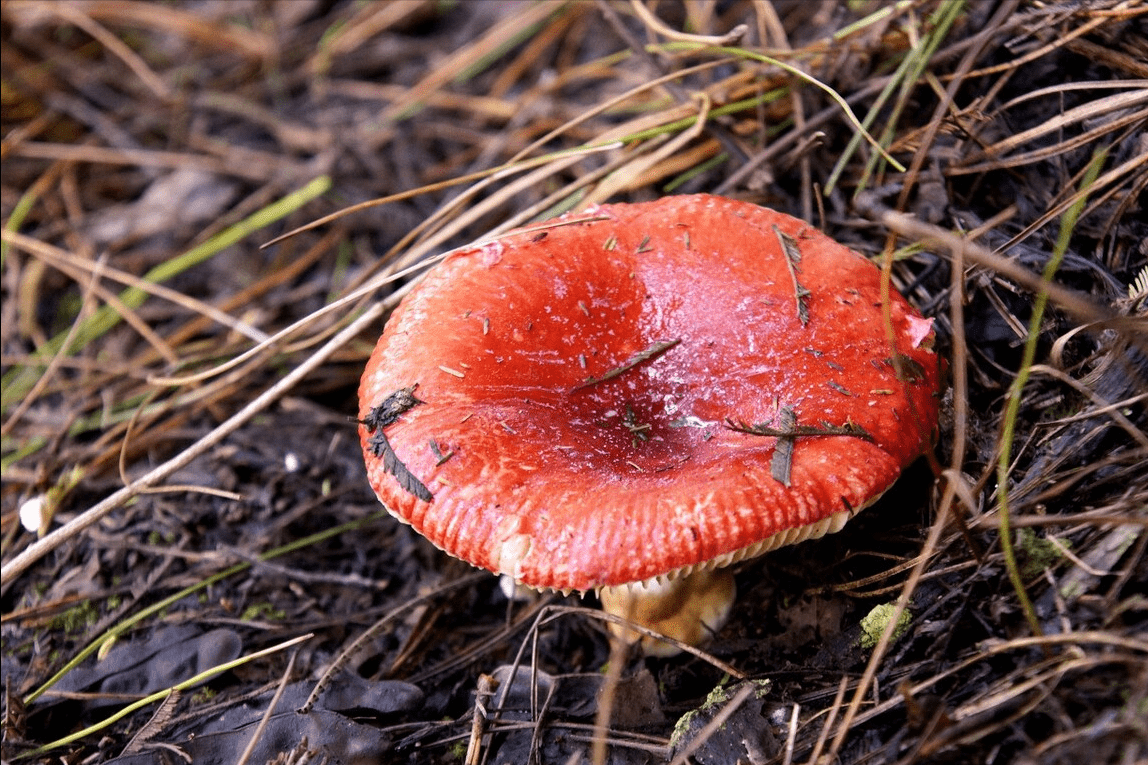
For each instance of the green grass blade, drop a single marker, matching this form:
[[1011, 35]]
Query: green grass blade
[[1012, 409], [19, 381], [159, 696], [113, 632]]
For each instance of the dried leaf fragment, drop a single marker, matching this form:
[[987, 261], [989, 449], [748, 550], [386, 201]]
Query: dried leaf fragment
[[788, 431], [781, 465], [793, 263], [383, 415], [388, 412]]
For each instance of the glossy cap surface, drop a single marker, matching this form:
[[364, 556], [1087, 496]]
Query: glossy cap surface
[[576, 382]]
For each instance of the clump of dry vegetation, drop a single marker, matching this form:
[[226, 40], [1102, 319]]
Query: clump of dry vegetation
[[191, 552]]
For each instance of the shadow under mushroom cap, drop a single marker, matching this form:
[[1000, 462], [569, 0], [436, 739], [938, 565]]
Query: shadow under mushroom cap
[[576, 382]]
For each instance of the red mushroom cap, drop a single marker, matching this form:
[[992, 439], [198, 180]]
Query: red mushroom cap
[[576, 383]]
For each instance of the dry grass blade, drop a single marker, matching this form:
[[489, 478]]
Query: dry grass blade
[[175, 21], [97, 512], [162, 696], [77, 268], [466, 60], [1080, 306], [1117, 107], [262, 726]]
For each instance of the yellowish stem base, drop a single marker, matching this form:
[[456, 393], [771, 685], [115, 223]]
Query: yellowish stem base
[[690, 608]]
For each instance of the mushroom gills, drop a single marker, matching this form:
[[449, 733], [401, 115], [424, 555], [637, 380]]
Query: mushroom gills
[[693, 603]]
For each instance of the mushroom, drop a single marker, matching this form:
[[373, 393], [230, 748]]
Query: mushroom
[[629, 399]]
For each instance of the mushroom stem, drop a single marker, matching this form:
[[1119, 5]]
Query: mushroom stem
[[690, 608]]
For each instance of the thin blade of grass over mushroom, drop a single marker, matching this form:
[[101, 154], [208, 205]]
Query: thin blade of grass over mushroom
[[794, 430], [635, 134], [650, 353], [787, 431], [495, 172]]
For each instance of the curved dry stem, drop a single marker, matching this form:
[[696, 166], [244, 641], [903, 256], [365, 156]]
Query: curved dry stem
[[41, 547]]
